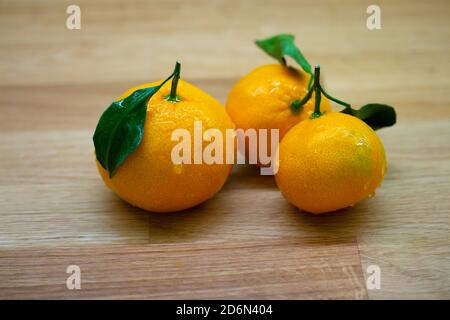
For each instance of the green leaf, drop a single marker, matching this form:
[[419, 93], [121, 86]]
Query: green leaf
[[120, 128], [283, 45], [376, 115]]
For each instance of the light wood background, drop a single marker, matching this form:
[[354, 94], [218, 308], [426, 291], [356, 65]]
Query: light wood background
[[247, 242]]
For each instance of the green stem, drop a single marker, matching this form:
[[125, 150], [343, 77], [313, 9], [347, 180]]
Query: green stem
[[310, 83], [345, 104], [296, 105], [316, 88], [173, 89], [317, 92]]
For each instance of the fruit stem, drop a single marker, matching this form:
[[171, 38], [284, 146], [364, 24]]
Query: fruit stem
[[172, 97], [297, 104], [311, 81], [317, 91], [345, 104]]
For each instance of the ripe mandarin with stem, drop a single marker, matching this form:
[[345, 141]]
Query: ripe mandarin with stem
[[148, 178], [330, 161]]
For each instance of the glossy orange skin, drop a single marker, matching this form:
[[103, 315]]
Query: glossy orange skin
[[262, 99], [330, 163], [148, 178]]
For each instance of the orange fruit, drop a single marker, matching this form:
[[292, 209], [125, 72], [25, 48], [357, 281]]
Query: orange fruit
[[148, 178], [262, 99], [330, 163]]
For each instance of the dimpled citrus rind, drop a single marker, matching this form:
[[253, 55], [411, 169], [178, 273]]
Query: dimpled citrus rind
[[262, 98], [330, 163], [148, 178]]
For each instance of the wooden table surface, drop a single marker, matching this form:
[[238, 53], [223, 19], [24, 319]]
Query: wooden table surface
[[247, 242]]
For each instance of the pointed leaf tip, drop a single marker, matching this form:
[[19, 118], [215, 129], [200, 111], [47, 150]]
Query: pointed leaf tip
[[283, 45], [120, 129], [376, 115]]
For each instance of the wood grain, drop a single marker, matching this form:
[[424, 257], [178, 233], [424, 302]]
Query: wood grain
[[54, 209], [274, 269]]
